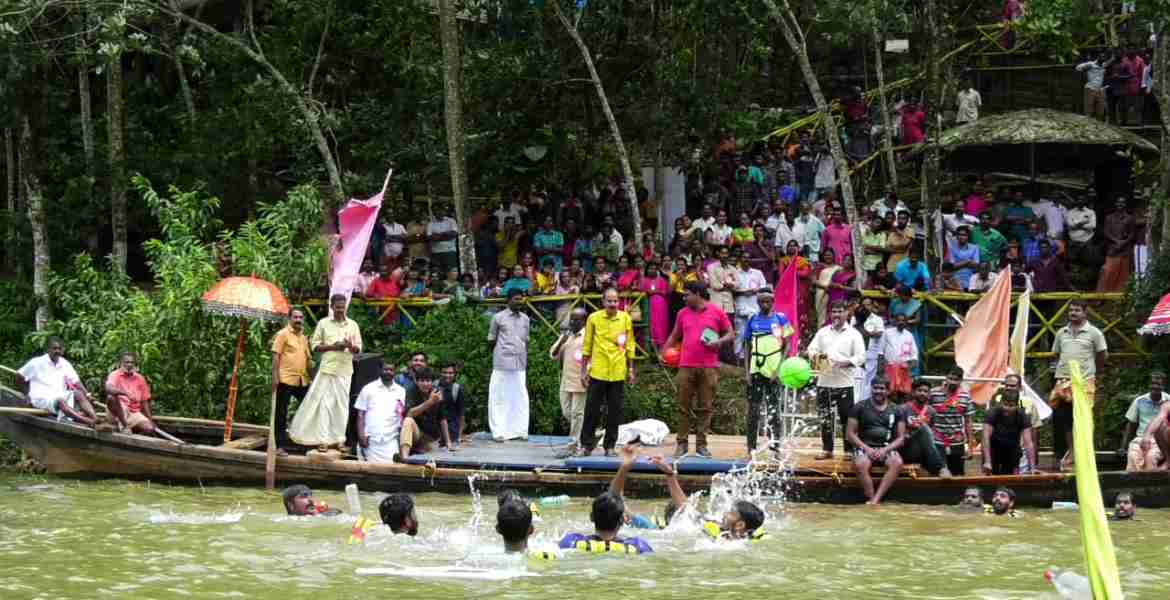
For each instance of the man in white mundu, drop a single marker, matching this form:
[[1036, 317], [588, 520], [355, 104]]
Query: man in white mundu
[[508, 386], [322, 417]]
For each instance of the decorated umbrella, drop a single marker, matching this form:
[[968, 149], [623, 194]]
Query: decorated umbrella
[[1159, 321], [243, 297]]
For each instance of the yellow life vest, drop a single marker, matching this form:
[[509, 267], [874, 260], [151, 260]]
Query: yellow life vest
[[989, 509], [541, 555], [713, 531], [604, 547]]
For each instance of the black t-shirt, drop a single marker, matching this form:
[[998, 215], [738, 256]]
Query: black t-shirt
[[876, 427], [1006, 428], [429, 421], [453, 402]]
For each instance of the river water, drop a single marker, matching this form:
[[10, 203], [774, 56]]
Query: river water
[[62, 538]]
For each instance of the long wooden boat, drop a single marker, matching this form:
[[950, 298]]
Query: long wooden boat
[[72, 450]]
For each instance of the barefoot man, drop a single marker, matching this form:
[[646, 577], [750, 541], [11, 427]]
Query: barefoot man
[[877, 429], [129, 397], [322, 417], [53, 385]]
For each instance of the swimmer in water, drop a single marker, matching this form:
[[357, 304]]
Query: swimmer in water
[[397, 511], [1123, 508], [1003, 503], [743, 521], [299, 502], [629, 454], [972, 500], [607, 516], [514, 524]]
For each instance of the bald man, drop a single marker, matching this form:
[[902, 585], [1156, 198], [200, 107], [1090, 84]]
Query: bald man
[[567, 349]]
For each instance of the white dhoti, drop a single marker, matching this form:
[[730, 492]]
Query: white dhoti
[[50, 404], [381, 450], [322, 417], [508, 404]]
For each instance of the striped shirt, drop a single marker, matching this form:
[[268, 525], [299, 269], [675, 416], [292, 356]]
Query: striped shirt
[[950, 415]]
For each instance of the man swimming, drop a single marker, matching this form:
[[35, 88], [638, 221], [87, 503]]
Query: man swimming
[[617, 485], [1123, 508], [972, 500], [299, 502], [397, 511], [514, 524], [608, 516], [744, 521], [1003, 502]]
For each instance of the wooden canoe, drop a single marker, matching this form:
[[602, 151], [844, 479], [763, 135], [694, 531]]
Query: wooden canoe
[[67, 449]]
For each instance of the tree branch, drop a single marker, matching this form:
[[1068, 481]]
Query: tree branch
[[320, 50]]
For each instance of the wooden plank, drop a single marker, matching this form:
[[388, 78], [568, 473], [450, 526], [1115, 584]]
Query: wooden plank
[[247, 443]]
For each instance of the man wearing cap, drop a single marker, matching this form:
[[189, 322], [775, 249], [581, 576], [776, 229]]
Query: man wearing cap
[[763, 339]]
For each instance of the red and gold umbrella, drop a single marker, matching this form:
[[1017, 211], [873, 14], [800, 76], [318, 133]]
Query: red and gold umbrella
[[1159, 321], [243, 297]]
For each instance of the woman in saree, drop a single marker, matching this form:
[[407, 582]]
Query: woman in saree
[[657, 288], [822, 284], [761, 253], [904, 303], [803, 280]]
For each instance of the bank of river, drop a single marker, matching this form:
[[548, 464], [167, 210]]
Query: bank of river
[[61, 538]]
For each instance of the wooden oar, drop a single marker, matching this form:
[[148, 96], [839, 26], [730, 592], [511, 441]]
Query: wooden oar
[[270, 459]]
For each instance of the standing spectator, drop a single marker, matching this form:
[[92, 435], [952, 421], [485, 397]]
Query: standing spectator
[[443, 232], [1133, 88], [805, 164], [416, 239], [837, 235], [1120, 72], [743, 234], [454, 402], [889, 206], [571, 209], [982, 280], [722, 278], [381, 407], [701, 328], [912, 273], [1004, 428], [873, 244], [977, 201], [567, 349], [947, 280], [608, 362], [837, 351], [899, 355], [507, 388], [1030, 244], [761, 254], [899, 238], [656, 286], [1120, 233], [826, 170], [719, 234], [990, 241], [1080, 342], [393, 241], [609, 242], [291, 364], [951, 223], [803, 282], [569, 245], [1017, 216], [822, 281], [1052, 216], [807, 231], [487, 250], [583, 249], [508, 243], [749, 282], [913, 124], [1081, 222], [704, 222], [952, 423], [322, 417], [548, 243], [1142, 452], [968, 103], [1048, 274], [1094, 71]]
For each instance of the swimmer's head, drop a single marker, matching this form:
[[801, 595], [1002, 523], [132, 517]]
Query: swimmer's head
[[298, 500], [514, 522], [668, 512], [397, 511], [1124, 507], [1003, 501], [509, 495], [607, 513], [972, 499], [743, 519]]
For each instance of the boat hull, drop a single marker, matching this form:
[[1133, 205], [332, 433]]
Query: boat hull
[[70, 450]]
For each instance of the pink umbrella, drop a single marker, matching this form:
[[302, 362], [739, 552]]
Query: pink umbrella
[[1159, 321]]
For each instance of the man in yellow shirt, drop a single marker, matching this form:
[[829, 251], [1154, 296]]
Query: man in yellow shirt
[[291, 362], [323, 416], [608, 361]]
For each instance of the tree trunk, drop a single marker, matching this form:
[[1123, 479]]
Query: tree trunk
[[88, 144], [879, 43], [312, 121], [934, 104], [453, 112], [623, 156], [794, 35], [1162, 89], [115, 118], [10, 192], [36, 216]]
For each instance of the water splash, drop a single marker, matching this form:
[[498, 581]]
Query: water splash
[[158, 518]]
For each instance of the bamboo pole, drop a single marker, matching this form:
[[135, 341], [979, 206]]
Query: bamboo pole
[[233, 387], [270, 458]]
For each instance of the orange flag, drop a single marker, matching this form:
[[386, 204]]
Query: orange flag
[[982, 345]]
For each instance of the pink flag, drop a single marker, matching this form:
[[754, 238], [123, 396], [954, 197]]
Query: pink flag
[[356, 222], [785, 302], [982, 345]]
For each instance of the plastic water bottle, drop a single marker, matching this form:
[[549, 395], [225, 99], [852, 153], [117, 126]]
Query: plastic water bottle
[[1058, 505], [352, 498], [549, 501], [1069, 585]]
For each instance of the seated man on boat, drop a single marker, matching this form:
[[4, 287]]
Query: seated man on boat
[[397, 512], [380, 406], [454, 401], [1141, 451], [920, 448], [299, 502], [1123, 508], [128, 397], [1159, 431], [426, 418], [877, 430], [608, 516], [53, 385], [1004, 432], [972, 500], [1003, 503]]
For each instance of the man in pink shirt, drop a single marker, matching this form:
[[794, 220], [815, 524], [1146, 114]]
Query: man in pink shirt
[[702, 328], [837, 236], [128, 397]]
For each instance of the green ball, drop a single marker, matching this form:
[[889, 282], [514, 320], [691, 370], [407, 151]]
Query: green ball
[[795, 372]]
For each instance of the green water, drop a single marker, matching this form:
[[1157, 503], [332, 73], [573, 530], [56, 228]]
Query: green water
[[61, 538]]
